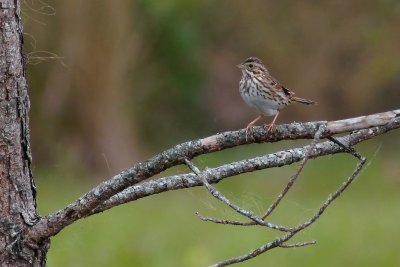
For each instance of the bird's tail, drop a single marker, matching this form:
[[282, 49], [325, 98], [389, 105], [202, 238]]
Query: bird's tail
[[304, 101]]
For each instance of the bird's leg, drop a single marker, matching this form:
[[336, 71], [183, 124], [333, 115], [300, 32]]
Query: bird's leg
[[248, 127], [272, 126]]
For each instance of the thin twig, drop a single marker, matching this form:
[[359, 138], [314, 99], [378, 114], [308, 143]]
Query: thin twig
[[349, 149], [222, 221], [255, 252], [256, 221], [218, 195]]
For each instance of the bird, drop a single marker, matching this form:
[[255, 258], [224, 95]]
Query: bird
[[264, 93]]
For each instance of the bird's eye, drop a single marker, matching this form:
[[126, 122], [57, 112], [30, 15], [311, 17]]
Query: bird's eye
[[250, 66]]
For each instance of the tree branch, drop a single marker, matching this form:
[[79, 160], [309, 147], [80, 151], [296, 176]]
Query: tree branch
[[122, 187], [273, 160]]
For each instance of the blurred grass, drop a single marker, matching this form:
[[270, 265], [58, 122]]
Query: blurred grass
[[359, 229]]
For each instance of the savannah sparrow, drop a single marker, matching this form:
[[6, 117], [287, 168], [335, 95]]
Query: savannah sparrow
[[263, 92]]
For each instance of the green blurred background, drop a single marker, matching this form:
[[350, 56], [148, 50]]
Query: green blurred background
[[114, 82]]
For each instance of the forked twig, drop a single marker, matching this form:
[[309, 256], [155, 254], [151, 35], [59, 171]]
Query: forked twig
[[255, 220], [280, 241], [218, 195], [332, 197]]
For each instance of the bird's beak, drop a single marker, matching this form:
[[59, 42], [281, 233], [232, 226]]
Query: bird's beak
[[240, 66]]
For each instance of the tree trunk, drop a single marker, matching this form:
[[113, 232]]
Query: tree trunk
[[17, 188]]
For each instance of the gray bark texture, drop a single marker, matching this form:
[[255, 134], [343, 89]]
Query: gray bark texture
[[17, 188]]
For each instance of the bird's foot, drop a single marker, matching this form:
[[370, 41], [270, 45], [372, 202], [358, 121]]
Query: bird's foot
[[248, 130], [270, 127]]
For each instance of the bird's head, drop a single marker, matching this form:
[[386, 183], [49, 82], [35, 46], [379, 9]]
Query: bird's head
[[252, 66]]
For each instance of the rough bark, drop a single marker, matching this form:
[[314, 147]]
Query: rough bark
[[17, 188]]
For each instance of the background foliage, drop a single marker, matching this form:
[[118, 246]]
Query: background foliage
[[131, 78]]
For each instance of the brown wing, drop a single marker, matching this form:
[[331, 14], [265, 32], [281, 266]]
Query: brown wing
[[280, 91], [277, 86]]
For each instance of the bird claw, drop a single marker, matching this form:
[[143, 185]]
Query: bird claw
[[271, 127], [248, 129]]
